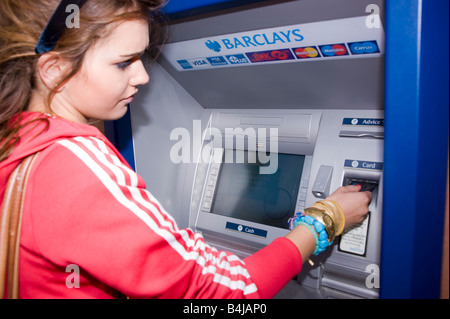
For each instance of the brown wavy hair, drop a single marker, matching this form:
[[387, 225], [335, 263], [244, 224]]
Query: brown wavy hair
[[21, 24]]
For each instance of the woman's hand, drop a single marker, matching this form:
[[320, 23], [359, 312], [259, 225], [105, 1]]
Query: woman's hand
[[354, 203]]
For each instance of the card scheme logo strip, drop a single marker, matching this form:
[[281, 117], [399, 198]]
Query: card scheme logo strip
[[335, 39]]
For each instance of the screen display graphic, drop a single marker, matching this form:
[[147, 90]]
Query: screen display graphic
[[242, 192]]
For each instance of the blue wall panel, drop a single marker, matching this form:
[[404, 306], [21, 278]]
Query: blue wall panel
[[416, 147], [120, 134]]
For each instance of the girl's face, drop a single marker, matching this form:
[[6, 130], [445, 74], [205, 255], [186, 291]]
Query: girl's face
[[108, 79]]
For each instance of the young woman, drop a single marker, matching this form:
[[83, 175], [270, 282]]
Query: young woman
[[84, 206]]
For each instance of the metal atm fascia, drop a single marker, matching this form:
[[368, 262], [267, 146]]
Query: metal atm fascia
[[352, 263], [338, 271]]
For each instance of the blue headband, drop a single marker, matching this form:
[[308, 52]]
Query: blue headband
[[55, 27]]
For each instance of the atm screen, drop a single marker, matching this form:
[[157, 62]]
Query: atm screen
[[243, 192]]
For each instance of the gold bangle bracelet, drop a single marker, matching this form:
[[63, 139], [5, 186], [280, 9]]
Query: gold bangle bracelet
[[322, 217], [336, 213]]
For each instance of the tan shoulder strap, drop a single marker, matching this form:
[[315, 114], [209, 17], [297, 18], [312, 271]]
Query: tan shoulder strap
[[10, 225]]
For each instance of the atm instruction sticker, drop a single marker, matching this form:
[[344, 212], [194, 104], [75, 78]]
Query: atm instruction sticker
[[367, 165], [354, 240], [246, 229], [362, 121]]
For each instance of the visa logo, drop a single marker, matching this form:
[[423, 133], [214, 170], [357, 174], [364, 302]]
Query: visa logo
[[199, 62]]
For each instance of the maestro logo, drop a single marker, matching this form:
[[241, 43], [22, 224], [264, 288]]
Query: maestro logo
[[213, 45]]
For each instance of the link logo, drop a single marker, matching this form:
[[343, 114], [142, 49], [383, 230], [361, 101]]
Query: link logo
[[274, 55]]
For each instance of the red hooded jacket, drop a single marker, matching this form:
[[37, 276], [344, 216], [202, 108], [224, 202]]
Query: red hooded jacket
[[91, 229]]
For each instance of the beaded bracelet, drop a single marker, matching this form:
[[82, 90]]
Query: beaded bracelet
[[317, 229], [313, 232]]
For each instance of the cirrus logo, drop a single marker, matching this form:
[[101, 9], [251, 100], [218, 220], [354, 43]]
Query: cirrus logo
[[366, 47]]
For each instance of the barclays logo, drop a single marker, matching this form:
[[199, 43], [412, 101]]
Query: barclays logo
[[215, 46], [256, 40]]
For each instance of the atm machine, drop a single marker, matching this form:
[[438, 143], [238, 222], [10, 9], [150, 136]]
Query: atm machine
[[257, 111], [242, 197]]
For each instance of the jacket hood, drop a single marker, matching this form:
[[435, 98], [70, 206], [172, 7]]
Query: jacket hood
[[40, 136]]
